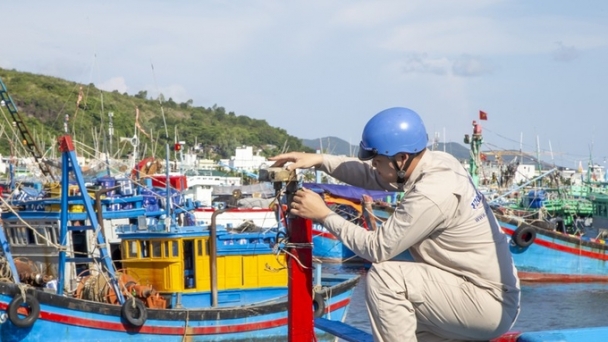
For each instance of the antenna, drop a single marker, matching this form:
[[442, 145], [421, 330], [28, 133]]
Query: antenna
[[110, 130], [162, 111], [551, 152]]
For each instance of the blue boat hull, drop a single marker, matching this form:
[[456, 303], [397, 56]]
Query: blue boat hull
[[69, 319], [328, 248], [552, 257], [556, 256]]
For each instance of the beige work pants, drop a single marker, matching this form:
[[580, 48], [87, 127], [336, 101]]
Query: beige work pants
[[409, 301]]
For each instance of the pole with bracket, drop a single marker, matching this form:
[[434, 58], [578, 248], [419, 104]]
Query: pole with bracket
[[300, 320], [299, 263]]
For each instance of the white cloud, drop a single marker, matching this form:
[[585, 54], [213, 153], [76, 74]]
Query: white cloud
[[467, 66], [264, 58], [176, 92], [114, 83], [421, 63], [479, 34], [463, 66]]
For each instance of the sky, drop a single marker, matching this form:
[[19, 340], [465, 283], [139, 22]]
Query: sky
[[323, 68]]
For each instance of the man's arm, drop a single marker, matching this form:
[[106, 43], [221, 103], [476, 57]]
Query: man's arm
[[413, 220], [354, 172]]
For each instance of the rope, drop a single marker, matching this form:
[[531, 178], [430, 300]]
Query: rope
[[5, 271], [22, 287], [186, 326]]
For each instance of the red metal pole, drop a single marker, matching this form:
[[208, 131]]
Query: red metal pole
[[300, 314]]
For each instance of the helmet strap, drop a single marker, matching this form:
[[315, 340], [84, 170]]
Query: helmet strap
[[402, 171]]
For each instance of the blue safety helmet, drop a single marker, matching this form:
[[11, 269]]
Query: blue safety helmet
[[392, 131]]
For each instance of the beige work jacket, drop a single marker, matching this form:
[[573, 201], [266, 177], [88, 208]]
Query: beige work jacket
[[443, 220]]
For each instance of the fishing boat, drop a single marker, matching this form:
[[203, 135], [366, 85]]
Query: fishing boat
[[542, 252], [118, 201], [544, 249], [177, 282], [251, 206]]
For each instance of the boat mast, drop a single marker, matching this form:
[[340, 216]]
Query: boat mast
[[27, 140], [70, 167], [474, 158]]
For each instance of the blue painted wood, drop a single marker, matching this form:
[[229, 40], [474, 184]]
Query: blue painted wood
[[343, 330], [547, 256], [569, 335]]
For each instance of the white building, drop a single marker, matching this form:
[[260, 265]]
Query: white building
[[245, 159], [524, 173]]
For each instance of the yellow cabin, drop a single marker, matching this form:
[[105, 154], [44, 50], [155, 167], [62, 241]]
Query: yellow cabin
[[181, 262]]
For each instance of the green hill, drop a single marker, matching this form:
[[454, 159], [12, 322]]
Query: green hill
[[44, 102]]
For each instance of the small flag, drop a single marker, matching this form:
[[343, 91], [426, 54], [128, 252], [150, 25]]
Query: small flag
[[483, 115]]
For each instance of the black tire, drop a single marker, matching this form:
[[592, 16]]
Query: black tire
[[134, 312], [318, 304], [524, 236], [30, 302]]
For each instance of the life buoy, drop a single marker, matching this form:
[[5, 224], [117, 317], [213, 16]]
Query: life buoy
[[524, 236], [134, 311], [318, 304], [34, 310]]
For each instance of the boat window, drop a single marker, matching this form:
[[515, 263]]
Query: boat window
[[199, 247], [175, 248], [132, 250], [52, 235], [145, 251], [156, 251], [166, 248], [41, 237], [11, 236], [22, 236], [31, 239]]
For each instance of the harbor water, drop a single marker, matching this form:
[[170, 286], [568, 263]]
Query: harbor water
[[543, 306]]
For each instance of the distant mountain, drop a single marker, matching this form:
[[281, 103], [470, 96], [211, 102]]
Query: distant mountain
[[337, 146], [459, 151], [332, 145]]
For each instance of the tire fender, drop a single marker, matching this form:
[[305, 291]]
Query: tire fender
[[318, 304], [524, 236], [134, 312], [34, 310]]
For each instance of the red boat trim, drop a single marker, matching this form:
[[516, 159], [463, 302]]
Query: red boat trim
[[560, 278], [561, 248], [337, 305], [159, 330], [511, 336], [237, 210]]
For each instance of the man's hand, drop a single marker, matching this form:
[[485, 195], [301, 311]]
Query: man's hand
[[300, 160], [308, 204]]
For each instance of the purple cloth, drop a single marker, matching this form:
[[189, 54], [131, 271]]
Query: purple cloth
[[347, 191]]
